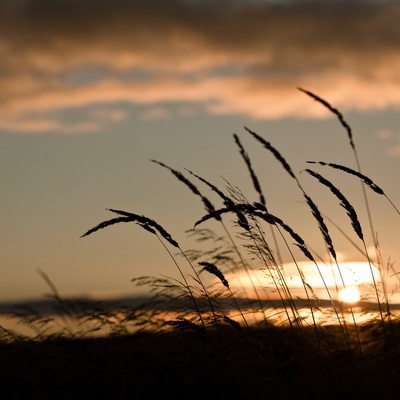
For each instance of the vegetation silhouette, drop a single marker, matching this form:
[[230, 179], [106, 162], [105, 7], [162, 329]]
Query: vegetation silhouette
[[197, 336]]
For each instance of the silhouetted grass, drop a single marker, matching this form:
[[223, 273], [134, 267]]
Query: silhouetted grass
[[193, 339]]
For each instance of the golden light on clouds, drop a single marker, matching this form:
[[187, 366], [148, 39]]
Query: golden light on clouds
[[352, 277], [226, 58]]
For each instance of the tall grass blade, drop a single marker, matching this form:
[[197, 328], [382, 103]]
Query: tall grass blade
[[253, 175], [334, 111], [214, 270], [343, 202], [207, 203], [363, 177], [274, 151]]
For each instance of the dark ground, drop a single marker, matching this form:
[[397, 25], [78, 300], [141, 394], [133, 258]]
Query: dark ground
[[185, 364]]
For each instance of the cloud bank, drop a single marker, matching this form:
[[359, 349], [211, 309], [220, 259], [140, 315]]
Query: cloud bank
[[220, 57]]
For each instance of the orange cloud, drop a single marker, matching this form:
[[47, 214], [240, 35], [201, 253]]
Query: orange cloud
[[227, 57]]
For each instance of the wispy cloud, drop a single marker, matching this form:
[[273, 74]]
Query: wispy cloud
[[224, 57]]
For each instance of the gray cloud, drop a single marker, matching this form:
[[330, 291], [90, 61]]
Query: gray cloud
[[239, 57]]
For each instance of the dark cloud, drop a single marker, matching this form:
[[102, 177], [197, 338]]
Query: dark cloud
[[100, 51]]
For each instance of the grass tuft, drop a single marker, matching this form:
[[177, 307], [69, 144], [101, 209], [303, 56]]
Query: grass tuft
[[245, 334]]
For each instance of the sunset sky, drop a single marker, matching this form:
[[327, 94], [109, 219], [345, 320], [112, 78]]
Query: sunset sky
[[91, 91]]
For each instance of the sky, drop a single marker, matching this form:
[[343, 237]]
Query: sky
[[91, 91]]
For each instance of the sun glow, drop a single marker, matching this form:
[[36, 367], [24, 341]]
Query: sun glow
[[351, 277], [349, 295]]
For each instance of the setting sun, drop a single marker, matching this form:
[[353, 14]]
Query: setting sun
[[355, 275], [349, 295]]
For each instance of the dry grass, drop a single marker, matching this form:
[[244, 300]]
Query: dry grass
[[198, 340], [183, 364]]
